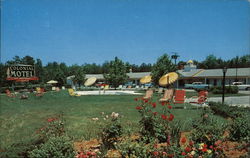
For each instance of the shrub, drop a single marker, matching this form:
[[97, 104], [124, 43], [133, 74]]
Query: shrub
[[54, 127], [111, 132], [154, 125], [228, 90], [226, 111], [232, 89], [21, 149], [240, 129], [207, 129], [55, 147], [129, 148]]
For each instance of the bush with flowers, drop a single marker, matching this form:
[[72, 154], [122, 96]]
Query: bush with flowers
[[111, 132], [163, 138], [154, 125], [54, 127], [207, 129], [56, 143]]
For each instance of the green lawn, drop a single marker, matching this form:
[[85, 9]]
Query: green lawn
[[20, 119]]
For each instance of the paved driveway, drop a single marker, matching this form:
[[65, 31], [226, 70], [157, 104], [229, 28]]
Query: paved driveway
[[233, 101]]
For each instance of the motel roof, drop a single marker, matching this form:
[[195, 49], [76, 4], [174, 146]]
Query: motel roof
[[231, 72]]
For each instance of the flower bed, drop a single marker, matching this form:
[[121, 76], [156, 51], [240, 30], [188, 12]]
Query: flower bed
[[159, 135]]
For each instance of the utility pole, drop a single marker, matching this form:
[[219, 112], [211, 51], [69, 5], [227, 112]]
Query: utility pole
[[224, 70], [175, 56]]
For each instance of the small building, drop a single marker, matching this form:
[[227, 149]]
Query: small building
[[212, 76]]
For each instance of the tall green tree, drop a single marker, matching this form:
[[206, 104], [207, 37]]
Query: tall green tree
[[211, 62], [39, 70], [116, 73], [79, 73], [3, 75], [15, 60], [28, 60], [163, 66]]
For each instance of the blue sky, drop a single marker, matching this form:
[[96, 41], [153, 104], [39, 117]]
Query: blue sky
[[137, 31]]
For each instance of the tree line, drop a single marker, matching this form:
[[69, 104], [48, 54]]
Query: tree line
[[113, 70]]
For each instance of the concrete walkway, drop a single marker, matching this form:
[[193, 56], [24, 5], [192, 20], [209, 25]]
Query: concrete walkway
[[108, 92]]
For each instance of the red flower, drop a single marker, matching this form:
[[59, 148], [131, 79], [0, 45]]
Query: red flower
[[191, 143], [169, 106], [183, 140], [136, 99], [205, 146], [171, 155], [183, 153], [211, 147], [139, 108], [188, 149], [163, 103], [145, 100], [163, 117], [153, 105], [155, 113], [204, 149], [156, 153], [171, 117], [88, 153], [51, 119]]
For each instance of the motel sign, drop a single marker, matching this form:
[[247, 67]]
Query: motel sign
[[21, 73]]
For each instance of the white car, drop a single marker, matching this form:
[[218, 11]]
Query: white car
[[241, 86]]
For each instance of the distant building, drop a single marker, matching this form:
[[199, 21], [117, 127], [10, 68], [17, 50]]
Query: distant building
[[190, 74]]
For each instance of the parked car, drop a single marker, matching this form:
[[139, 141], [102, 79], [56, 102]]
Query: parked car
[[241, 86], [196, 85]]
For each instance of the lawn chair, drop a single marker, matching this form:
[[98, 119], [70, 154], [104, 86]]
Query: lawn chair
[[200, 99], [179, 97], [72, 92], [106, 87], [39, 91], [149, 94], [9, 94], [168, 95], [160, 90]]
